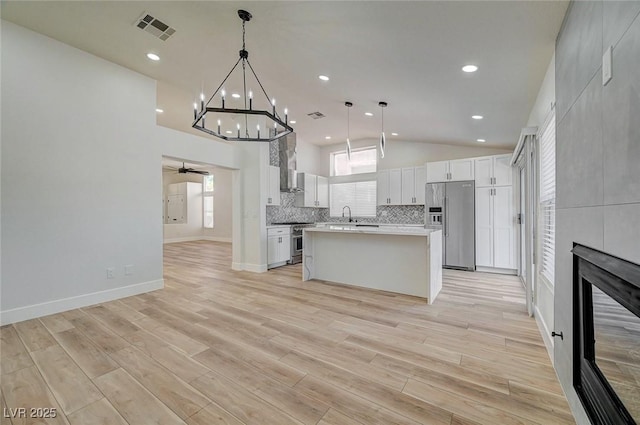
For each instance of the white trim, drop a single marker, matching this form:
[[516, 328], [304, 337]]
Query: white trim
[[198, 238], [52, 307], [513, 272], [227, 239], [527, 131], [544, 331], [255, 268]]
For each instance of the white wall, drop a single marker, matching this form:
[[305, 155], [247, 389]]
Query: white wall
[[81, 177], [546, 97], [309, 158], [408, 154]]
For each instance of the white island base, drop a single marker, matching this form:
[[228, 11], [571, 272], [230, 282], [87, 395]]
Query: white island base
[[402, 260]]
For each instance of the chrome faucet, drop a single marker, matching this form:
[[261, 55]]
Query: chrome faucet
[[347, 206]]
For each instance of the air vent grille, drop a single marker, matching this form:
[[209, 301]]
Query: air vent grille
[[154, 26], [316, 115]]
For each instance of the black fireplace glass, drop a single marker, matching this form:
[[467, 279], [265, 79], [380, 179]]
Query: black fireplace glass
[[617, 349]]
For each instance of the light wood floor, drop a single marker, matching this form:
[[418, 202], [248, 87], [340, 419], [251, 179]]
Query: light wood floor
[[223, 347]]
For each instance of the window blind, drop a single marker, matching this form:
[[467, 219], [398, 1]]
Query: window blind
[[359, 196], [547, 207]]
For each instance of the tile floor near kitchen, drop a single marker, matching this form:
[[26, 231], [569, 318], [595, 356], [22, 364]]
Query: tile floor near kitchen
[[222, 347]]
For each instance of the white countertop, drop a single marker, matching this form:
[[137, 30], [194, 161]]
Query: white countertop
[[367, 229]]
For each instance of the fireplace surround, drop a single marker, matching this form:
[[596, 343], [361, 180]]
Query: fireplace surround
[[606, 351]]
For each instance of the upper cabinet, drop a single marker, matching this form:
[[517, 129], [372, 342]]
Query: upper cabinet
[[273, 190], [494, 171], [455, 170], [315, 191], [413, 185], [389, 187]]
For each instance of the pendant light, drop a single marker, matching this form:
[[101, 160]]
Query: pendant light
[[348, 105], [382, 105], [244, 119]]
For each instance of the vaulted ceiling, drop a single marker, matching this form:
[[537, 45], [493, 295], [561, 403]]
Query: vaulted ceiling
[[409, 54]]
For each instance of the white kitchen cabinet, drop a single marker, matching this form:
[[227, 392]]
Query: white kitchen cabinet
[[389, 187], [278, 246], [449, 171], [437, 171], [461, 170], [413, 185], [273, 192], [495, 227], [322, 191], [493, 171], [315, 191]]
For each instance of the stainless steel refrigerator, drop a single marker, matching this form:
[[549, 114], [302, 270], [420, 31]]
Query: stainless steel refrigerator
[[451, 208]]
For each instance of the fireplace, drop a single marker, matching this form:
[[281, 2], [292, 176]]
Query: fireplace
[[606, 352]]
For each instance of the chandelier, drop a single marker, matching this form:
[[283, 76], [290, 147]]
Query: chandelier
[[236, 119]]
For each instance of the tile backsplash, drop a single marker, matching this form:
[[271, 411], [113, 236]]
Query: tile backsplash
[[287, 212]]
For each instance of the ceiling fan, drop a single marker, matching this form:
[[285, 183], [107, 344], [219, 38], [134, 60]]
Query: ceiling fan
[[185, 170]]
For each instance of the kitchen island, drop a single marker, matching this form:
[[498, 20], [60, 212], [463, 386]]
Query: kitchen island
[[405, 260]]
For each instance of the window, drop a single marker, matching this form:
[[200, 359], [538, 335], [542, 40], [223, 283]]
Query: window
[[359, 196], [207, 201], [362, 161], [547, 206]]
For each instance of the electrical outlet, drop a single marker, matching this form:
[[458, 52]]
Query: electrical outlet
[[384, 213], [128, 269], [110, 273]]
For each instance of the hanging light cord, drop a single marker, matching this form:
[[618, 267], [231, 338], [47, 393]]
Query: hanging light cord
[[348, 124]]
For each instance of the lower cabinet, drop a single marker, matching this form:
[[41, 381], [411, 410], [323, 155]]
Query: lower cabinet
[[278, 246], [495, 228]]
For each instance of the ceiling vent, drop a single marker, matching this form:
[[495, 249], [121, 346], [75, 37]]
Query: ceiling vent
[[154, 26], [316, 115]]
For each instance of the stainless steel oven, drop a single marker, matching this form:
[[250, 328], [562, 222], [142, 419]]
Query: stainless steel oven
[[296, 245]]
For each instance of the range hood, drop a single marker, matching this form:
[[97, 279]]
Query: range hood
[[288, 166]]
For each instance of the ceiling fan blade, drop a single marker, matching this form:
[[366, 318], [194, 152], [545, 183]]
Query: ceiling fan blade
[[204, 173]]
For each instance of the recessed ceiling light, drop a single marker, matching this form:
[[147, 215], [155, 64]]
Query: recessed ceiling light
[[327, 137], [292, 121], [469, 68], [235, 95], [477, 117], [394, 134], [158, 110], [369, 114], [323, 77], [229, 132], [153, 56], [481, 140]]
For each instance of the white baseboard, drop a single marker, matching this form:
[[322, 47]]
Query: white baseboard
[[545, 332], [183, 239], [496, 270], [216, 239], [197, 238], [255, 268], [52, 307]]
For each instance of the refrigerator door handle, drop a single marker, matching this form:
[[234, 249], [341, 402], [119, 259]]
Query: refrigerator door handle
[[446, 217]]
